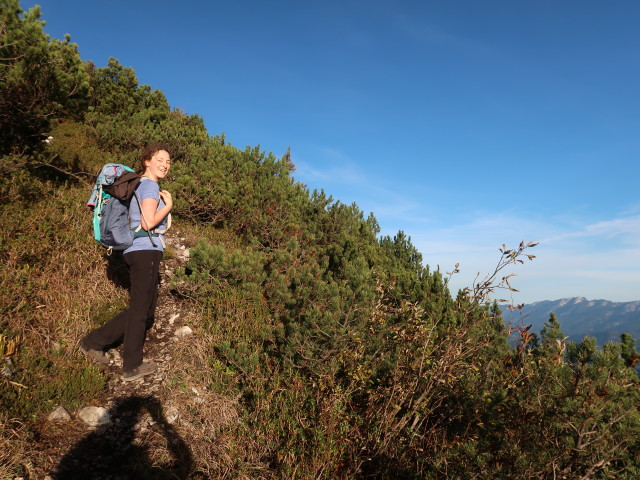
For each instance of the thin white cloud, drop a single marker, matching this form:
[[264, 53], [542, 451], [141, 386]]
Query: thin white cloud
[[432, 35], [631, 210], [348, 182], [337, 169], [626, 229], [583, 262]]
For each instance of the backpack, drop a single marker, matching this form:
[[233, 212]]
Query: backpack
[[110, 198]]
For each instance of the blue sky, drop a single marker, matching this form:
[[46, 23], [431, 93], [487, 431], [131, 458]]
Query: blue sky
[[467, 124]]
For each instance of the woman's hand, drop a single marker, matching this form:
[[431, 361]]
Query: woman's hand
[[166, 198]]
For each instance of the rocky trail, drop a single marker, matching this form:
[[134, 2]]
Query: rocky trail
[[130, 432]]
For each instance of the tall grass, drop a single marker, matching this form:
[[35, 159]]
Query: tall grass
[[53, 289]]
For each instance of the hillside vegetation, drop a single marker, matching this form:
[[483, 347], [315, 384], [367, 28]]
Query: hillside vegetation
[[342, 354]]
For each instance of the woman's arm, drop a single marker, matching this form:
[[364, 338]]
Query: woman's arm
[[151, 214]]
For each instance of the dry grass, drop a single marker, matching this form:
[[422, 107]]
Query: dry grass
[[52, 288], [14, 447], [206, 418], [53, 275]]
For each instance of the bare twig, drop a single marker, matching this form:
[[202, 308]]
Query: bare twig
[[66, 172]]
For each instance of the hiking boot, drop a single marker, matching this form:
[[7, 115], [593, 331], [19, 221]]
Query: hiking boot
[[96, 356], [145, 368]]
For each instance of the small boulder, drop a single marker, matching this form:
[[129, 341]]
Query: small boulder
[[171, 414], [117, 358], [94, 416], [60, 414], [183, 332]]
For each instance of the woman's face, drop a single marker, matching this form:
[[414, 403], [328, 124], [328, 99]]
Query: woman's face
[[158, 166]]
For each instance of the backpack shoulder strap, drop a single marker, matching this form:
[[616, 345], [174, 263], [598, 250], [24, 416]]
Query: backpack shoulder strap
[[135, 194]]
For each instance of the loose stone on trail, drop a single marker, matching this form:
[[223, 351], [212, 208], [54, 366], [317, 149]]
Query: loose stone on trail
[[171, 414], [183, 332], [60, 414], [94, 416]]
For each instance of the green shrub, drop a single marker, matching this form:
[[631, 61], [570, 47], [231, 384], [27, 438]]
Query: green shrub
[[40, 384]]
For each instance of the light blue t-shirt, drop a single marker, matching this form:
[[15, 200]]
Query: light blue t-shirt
[[147, 188]]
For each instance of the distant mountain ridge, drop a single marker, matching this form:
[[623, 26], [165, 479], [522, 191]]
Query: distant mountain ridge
[[578, 316]]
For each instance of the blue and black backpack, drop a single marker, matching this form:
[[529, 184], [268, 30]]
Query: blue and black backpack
[[114, 189]]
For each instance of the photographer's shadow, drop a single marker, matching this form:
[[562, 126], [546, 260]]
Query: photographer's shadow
[[112, 452]]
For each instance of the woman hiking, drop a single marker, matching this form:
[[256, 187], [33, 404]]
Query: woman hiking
[[142, 260]]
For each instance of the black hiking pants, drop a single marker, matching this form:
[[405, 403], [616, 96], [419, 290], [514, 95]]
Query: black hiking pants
[[143, 268]]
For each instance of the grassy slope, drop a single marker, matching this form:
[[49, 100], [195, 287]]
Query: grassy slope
[[54, 287]]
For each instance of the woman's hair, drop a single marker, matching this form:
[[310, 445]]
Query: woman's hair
[[148, 152]]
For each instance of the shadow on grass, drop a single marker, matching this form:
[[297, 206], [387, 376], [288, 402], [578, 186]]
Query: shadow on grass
[[115, 452], [117, 270]]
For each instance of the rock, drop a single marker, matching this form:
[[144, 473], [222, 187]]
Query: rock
[[94, 416], [60, 414], [174, 318], [117, 359], [183, 332], [171, 414]]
